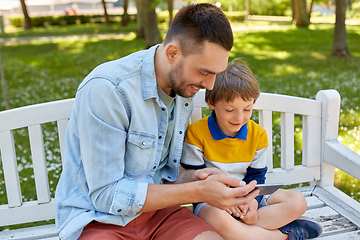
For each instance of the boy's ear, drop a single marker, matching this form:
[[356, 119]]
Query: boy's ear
[[210, 105], [172, 51]]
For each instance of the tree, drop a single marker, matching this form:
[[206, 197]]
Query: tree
[[125, 16], [140, 32], [300, 13], [107, 22], [27, 19], [170, 4], [147, 22], [340, 47]]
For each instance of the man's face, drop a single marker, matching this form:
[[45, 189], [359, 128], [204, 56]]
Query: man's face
[[191, 73]]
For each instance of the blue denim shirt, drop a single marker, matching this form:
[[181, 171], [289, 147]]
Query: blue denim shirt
[[114, 142]]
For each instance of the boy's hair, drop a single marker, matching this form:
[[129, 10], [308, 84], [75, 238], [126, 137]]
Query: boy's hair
[[236, 81], [196, 23]]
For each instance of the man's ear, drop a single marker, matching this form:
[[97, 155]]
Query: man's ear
[[172, 50]]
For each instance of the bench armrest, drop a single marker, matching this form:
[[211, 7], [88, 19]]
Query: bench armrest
[[340, 156]]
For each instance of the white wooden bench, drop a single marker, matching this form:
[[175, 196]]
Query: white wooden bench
[[321, 153]]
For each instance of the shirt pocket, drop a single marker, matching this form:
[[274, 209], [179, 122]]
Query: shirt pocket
[[140, 154]]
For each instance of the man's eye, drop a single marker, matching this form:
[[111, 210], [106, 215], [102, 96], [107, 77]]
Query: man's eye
[[203, 73], [229, 110]]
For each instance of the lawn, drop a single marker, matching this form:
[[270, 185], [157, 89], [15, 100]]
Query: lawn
[[288, 61]]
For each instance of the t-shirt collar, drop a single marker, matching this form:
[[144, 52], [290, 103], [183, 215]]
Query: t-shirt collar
[[217, 134]]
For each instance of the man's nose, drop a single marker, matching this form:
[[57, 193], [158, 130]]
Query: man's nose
[[209, 82]]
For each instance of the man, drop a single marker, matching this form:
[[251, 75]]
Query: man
[[125, 135]]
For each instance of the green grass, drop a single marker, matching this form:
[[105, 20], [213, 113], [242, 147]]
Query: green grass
[[287, 61]]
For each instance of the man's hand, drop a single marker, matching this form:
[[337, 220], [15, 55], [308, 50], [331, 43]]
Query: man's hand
[[216, 191]]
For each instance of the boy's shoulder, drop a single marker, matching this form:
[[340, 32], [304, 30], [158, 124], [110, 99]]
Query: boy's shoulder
[[253, 126]]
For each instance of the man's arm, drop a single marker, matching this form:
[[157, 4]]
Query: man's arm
[[214, 190]]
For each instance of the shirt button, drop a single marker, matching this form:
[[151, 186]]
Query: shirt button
[[160, 137], [154, 167], [143, 143], [163, 109], [169, 177], [180, 132], [186, 104], [119, 210], [174, 160]]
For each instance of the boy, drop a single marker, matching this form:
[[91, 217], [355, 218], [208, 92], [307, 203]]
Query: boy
[[230, 141]]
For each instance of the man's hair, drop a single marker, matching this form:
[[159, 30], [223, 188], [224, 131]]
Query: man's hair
[[196, 23], [236, 81]]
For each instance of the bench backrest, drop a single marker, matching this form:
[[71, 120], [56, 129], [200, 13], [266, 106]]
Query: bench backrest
[[312, 112]]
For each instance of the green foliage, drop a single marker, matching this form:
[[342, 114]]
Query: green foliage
[[355, 10], [44, 21]]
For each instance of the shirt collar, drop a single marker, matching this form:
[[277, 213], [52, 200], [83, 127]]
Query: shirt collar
[[217, 134]]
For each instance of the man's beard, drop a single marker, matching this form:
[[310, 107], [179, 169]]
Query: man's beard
[[176, 81]]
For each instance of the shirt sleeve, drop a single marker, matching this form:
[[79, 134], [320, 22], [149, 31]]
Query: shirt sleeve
[[193, 154], [102, 123]]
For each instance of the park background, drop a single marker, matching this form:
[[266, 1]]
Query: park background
[[47, 60]]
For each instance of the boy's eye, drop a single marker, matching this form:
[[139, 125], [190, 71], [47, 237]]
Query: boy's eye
[[247, 110], [229, 110]]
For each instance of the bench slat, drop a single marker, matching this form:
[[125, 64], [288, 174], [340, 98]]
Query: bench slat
[[34, 233], [355, 235], [39, 163], [287, 140], [28, 212], [297, 175], [265, 120], [337, 226], [35, 114], [62, 124], [283, 103], [11, 175], [311, 137]]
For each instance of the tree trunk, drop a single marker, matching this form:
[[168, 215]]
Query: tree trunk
[[125, 16], [140, 32], [301, 16], [151, 30], [293, 9], [27, 19], [309, 8], [170, 4], [107, 22], [340, 47]]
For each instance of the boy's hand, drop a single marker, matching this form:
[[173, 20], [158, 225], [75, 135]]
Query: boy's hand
[[250, 217]]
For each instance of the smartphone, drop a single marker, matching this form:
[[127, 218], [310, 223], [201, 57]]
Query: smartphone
[[268, 188]]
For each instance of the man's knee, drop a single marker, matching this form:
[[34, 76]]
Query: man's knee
[[208, 235]]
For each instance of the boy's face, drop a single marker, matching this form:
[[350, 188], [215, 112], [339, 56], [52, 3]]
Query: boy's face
[[231, 116]]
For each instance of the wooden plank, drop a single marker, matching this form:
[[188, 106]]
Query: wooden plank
[[337, 226], [39, 163], [314, 202], [340, 156], [62, 124], [299, 174], [311, 141], [45, 232], [355, 235], [330, 100], [283, 103], [287, 140], [340, 202], [322, 214], [29, 212], [35, 114], [265, 120], [11, 174]]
